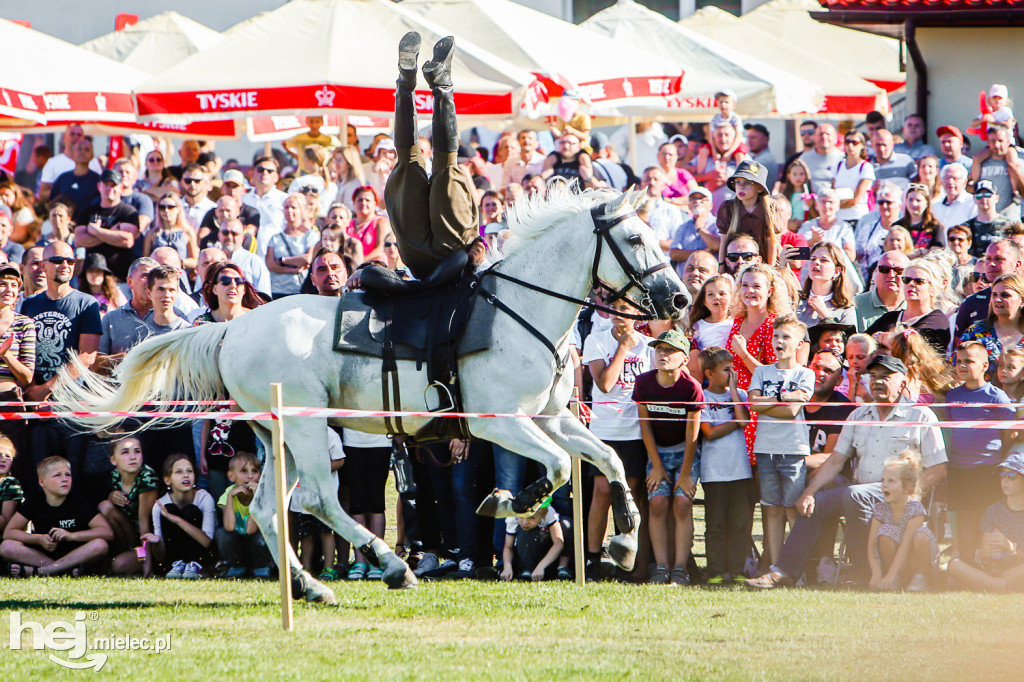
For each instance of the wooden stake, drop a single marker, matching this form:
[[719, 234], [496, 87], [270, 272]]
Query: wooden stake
[[281, 495], [577, 502]]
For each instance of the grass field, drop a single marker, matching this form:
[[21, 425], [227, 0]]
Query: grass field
[[470, 630]]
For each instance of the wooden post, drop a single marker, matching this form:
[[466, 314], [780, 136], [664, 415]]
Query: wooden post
[[281, 495], [577, 502]]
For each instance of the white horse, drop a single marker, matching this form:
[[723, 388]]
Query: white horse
[[560, 245]]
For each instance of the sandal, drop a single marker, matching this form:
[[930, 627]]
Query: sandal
[[374, 573], [770, 581], [327, 575], [357, 572]]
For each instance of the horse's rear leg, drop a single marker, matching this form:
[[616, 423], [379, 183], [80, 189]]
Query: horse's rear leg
[[320, 498], [569, 433], [525, 438], [264, 510]]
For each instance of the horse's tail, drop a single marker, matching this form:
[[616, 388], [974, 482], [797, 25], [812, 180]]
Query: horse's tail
[[181, 365]]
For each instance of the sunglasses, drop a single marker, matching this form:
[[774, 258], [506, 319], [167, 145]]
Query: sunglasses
[[916, 186], [851, 141], [191, 181], [229, 233], [885, 202], [228, 280], [264, 169], [390, 243], [1008, 474], [168, 207], [808, 131], [742, 255], [155, 159], [309, 190], [979, 277], [916, 280], [60, 260], [886, 269]]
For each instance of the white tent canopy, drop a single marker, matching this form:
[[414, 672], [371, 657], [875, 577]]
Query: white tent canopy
[[609, 74], [844, 91], [321, 56], [761, 89], [156, 43]]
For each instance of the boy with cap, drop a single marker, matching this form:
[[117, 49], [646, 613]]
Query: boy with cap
[[988, 226], [1000, 562], [669, 404]]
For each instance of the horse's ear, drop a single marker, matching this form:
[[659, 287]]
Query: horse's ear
[[615, 205]]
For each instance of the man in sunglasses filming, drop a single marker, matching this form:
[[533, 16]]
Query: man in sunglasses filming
[[886, 292], [739, 253]]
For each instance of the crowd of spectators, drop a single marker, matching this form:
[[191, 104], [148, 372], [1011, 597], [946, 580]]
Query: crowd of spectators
[[846, 302]]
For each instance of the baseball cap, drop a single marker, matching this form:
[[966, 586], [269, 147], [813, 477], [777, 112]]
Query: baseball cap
[[674, 338], [679, 138], [725, 93], [111, 176], [703, 191], [234, 175], [1014, 462], [888, 362], [984, 188], [465, 153], [998, 90], [758, 127], [10, 270], [386, 144], [949, 130], [598, 140]]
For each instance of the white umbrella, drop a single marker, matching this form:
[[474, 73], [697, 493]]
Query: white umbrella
[[320, 56], [609, 74], [155, 44], [711, 66]]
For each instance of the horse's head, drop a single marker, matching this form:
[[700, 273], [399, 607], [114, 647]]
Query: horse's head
[[630, 262]]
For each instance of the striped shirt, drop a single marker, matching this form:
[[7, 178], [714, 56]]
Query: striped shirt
[[24, 345]]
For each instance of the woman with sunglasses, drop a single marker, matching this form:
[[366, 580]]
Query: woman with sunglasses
[[854, 173], [367, 226], [826, 292], [921, 290], [392, 258], [155, 179], [290, 252], [873, 227], [228, 294], [925, 230], [1004, 327], [172, 228]]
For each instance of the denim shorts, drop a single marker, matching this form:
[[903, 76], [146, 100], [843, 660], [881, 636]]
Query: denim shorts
[[672, 461], [783, 478]]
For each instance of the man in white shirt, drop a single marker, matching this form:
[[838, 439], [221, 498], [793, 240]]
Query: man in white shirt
[[62, 163], [266, 198], [663, 217], [195, 186], [957, 206], [823, 159], [529, 161]]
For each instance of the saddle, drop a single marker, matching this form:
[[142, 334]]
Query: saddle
[[433, 322]]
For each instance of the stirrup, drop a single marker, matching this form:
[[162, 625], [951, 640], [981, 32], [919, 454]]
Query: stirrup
[[442, 393]]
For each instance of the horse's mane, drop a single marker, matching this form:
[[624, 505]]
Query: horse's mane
[[530, 217]]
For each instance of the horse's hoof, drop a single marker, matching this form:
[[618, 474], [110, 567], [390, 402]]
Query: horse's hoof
[[622, 549], [498, 505], [319, 593], [397, 574]]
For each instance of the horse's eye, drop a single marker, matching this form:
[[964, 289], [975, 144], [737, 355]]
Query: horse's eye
[[636, 240]]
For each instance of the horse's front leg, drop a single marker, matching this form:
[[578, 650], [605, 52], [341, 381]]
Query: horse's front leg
[[524, 437], [576, 439]]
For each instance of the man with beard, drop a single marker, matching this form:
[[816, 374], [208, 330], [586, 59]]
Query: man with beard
[[230, 237], [328, 273]]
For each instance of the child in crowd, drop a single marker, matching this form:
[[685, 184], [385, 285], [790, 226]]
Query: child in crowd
[[974, 452], [777, 393], [183, 521], [67, 533], [725, 468], [726, 100], [533, 544], [1011, 373], [669, 404], [310, 526], [859, 350], [616, 356], [1000, 563], [239, 541], [10, 488], [901, 548], [129, 507]]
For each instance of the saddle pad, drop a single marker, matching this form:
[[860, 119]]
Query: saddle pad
[[353, 329]]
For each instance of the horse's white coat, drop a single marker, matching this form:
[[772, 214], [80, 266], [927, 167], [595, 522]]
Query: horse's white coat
[[290, 341]]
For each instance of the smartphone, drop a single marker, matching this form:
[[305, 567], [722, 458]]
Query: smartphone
[[802, 253]]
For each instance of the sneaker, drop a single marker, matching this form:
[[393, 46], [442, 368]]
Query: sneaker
[[235, 573], [261, 573], [446, 567], [193, 571], [177, 570], [680, 576], [739, 579], [918, 583], [563, 573], [465, 570], [525, 576], [327, 575], [374, 573], [659, 576], [486, 573], [716, 580], [428, 562], [826, 571]]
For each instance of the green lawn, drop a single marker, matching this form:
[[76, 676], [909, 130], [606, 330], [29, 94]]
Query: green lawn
[[471, 630]]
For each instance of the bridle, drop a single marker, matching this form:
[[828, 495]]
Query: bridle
[[602, 228]]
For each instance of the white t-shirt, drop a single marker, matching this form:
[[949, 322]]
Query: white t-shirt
[[776, 435], [203, 500], [335, 452], [614, 415], [840, 234], [849, 178], [707, 334]]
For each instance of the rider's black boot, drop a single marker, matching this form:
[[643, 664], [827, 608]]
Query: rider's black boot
[[405, 109], [438, 73]]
